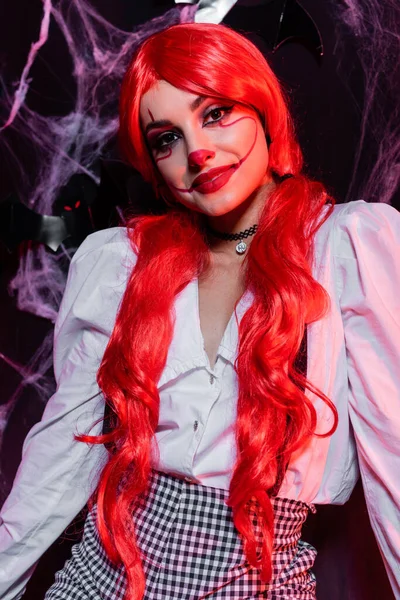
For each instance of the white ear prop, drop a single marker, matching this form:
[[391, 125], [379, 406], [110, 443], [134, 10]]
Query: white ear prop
[[210, 11]]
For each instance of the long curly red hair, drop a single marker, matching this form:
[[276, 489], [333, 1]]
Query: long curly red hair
[[275, 416]]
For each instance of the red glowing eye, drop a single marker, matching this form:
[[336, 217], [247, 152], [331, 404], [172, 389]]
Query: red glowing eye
[[67, 208], [77, 204]]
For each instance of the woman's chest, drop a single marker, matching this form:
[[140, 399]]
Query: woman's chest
[[218, 294]]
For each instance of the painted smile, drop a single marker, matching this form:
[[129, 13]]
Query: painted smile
[[214, 179]]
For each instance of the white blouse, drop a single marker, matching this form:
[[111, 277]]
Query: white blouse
[[353, 357]]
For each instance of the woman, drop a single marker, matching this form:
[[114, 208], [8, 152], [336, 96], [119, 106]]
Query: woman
[[220, 442]]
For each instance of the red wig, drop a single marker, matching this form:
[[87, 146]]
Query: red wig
[[275, 416]]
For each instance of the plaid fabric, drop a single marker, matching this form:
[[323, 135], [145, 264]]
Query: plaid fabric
[[191, 550]]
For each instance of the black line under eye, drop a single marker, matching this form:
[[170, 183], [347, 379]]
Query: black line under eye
[[164, 140]]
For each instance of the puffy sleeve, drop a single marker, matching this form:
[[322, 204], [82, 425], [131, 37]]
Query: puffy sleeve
[[58, 474], [367, 249]]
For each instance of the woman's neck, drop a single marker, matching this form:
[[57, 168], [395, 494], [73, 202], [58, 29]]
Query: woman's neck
[[245, 215], [238, 220]]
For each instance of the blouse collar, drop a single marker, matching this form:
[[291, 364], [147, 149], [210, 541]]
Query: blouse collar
[[186, 351]]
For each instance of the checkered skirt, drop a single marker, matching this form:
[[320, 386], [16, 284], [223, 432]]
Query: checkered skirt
[[191, 550]]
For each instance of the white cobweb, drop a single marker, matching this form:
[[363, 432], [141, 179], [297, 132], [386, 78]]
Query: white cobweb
[[372, 29], [62, 147]]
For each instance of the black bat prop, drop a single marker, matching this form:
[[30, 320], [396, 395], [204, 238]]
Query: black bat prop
[[19, 223], [72, 219], [81, 208], [276, 22]]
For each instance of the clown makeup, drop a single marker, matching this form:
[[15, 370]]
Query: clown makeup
[[212, 154]]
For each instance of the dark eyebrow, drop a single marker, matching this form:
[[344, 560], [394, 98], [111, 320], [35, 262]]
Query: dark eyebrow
[[165, 123], [197, 102], [158, 124]]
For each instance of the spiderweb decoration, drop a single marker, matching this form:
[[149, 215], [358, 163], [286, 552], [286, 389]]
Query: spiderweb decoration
[[71, 144], [65, 146], [372, 28]]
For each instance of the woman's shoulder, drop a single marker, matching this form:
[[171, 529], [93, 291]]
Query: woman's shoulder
[[364, 211], [97, 277], [357, 223], [114, 240], [360, 211], [105, 256]]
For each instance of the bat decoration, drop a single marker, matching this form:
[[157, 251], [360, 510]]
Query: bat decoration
[[71, 221], [276, 22], [81, 208], [19, 223]]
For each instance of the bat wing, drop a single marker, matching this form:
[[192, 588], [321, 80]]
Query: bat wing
[[18, 223], [277, 22], [296, 23]]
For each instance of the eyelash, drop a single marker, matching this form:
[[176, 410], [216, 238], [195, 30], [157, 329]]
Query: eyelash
[[158, 144], [224, 109]]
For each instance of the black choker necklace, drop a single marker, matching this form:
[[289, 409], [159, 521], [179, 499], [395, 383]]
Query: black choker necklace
[[241, 247]]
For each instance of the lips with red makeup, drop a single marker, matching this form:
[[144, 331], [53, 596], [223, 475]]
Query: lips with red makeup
[[213, 180]]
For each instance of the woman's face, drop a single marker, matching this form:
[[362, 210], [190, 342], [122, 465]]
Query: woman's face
[[212, 154]]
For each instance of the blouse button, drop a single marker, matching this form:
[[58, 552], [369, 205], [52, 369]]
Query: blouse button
[[212, 379], [195, 425]]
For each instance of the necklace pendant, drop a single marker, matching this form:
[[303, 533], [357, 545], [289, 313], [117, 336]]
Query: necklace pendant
[[241, 247]]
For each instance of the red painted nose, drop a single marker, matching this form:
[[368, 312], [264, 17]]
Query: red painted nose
[[198, 158]]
